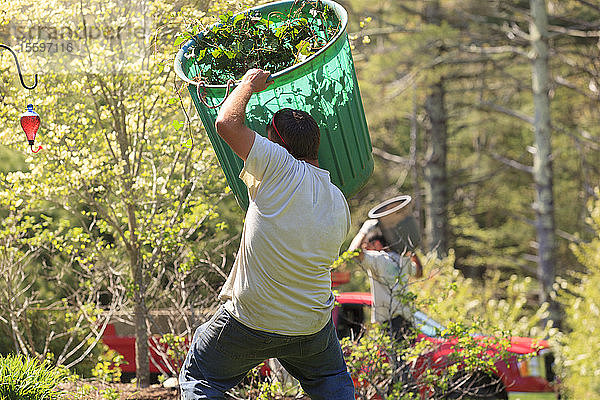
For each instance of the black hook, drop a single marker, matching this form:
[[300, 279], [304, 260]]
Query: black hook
[[19, 69]]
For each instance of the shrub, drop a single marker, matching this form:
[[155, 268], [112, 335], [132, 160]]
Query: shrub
[[497, 303], [581, 300], [407, 369], [108, 368], [23, 378]]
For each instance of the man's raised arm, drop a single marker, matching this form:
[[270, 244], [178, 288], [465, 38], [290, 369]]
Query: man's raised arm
[[230, 122]]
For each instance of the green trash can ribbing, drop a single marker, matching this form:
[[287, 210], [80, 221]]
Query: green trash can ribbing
[[324, 85]]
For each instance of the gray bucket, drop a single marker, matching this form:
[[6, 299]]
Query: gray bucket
[[397, 223]]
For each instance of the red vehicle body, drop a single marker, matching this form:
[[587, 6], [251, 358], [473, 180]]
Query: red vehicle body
[[125, 345], [524, 380]]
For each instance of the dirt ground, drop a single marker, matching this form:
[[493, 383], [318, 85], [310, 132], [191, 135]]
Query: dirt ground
[[82, 390], [117, 391]]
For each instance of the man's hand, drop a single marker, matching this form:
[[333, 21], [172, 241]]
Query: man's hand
[[357, 242], [257, 80], [230, 123], [416, 262]]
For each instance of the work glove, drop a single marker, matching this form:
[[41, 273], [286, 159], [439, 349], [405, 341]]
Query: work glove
[[368, 226]]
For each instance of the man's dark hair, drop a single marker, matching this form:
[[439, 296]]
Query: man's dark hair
[[299, 131], [374, 235]]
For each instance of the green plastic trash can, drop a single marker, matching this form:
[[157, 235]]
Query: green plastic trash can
[[324, 85]]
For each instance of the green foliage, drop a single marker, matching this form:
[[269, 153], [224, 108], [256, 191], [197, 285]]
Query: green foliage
[[405, 368], [506, 305], [33, 295], [581, 300], [490, 196], [344, 258], [402, 369], [23, 378], [259, 387], [116, 189], [176, 347], [108, 368], [111, 394], [115, 211], [472, 350], [368, 360], [251, 40], [86, 389], [500, 245]]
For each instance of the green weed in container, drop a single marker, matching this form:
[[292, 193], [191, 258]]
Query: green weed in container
[[323, 84]]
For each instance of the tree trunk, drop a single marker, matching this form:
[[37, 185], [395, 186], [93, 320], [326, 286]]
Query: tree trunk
[[142, 363], [414, 130], [542, 163], [436, 191]]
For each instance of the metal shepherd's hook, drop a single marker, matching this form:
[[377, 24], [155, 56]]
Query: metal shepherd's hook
[[19, 69]]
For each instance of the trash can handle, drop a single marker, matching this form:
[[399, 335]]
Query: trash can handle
[[202, 95]]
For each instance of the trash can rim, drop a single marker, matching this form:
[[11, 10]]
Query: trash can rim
[[339, 9], [404, 200]]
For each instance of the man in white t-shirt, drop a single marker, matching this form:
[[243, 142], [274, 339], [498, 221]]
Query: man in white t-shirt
[[278, 297], [388, 273]]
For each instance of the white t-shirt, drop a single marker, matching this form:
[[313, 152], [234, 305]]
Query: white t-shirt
[[388, 274], [294, 227]]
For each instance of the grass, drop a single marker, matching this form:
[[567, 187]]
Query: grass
[[23, 378]]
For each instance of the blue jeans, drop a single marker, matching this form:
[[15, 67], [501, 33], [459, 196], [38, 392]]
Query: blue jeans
[[224, 350]]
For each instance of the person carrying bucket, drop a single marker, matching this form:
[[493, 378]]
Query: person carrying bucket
[[388, 273], [278, 297]]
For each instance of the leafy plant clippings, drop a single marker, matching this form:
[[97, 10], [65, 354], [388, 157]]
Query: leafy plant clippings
[[273, 41]]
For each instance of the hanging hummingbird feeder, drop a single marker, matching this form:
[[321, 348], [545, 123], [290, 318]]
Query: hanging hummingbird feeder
[[30, 122]]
